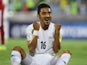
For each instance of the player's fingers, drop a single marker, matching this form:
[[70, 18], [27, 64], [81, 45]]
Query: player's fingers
[[57, 26], [36, 26]]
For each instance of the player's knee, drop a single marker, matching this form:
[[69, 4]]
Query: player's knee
[[67, 51], [66, 57], [15, 57], [20, 50]]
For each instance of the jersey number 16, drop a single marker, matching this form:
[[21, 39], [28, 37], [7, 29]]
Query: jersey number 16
[[43, 45]]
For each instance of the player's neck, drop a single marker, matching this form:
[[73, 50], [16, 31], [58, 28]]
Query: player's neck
[[44, 27]]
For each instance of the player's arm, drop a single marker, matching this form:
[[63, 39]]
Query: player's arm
[[56, 43], [33, 43]]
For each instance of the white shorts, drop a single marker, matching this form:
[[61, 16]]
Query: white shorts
[[38, 59], [46, 59]]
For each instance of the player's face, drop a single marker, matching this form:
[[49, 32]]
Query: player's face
[[45, 16]]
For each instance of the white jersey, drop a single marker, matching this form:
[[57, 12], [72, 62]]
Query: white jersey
[[45, 38]]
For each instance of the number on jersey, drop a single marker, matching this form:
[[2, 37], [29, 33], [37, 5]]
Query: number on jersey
[[43, 45]]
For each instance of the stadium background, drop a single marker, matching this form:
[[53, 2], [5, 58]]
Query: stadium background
[[72, 14]]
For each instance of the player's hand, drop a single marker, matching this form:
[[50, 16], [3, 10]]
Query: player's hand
[[36, 26], [57, 27]]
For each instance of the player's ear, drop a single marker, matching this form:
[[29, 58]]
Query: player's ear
[[38, 15]]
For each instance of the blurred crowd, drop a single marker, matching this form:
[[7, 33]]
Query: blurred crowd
[[68, 7], [25, 11]]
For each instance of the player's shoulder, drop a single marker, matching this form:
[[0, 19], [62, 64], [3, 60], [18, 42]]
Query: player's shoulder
[[29, 29], [53, 24], [30, 26], [51, 27]]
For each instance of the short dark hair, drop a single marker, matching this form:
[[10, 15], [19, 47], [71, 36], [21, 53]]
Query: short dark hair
[[42, 5]]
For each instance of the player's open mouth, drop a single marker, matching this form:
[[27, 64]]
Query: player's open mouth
[[47, 19]]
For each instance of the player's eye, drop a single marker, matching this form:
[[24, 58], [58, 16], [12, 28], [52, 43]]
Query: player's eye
[[49, 12], [43, 13]]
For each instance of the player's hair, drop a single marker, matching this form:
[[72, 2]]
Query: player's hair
[[42, 5]]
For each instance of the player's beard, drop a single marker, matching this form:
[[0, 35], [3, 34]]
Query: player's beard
[[46, 22]]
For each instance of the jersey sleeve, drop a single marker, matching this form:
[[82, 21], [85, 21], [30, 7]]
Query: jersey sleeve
[[29, 31]]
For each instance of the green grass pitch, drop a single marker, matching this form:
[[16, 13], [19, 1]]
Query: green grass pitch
[[77, 47]]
